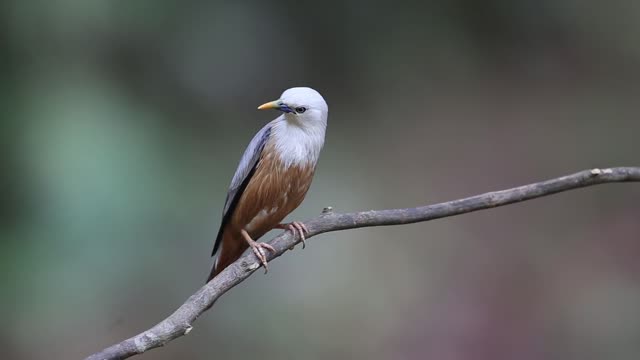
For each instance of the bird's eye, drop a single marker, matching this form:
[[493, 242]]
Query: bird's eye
[[301, 109]]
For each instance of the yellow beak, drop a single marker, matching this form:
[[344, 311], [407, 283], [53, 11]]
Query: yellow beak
[[270, 105]]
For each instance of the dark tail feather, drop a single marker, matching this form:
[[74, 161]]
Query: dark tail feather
[[233, 245]]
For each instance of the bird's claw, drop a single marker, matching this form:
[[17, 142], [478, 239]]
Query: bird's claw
[[300, 228], [257, 248]]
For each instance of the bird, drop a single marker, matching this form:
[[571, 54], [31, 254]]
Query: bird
[[273, 177]]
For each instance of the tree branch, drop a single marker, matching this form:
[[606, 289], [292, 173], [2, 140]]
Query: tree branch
[[179, 323]]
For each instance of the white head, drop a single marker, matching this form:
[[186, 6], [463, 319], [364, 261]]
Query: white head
[[298, 134], [301, 105]]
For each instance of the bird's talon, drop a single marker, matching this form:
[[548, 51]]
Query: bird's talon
[[296, 227], [258, 249], [267, 246], [302, 229]]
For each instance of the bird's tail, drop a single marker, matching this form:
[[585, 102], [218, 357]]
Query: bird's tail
[[232, 247]]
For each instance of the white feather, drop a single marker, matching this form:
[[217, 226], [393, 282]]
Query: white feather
[[298, 138]]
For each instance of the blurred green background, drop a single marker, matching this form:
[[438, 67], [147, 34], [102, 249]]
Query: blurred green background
[[123, 122]]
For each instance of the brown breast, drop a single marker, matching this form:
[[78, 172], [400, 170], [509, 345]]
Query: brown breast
[[272, 193]]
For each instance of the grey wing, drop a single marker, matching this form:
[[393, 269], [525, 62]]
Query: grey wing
[[241, 178]]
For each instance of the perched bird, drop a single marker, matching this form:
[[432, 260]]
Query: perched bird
[[273, 177]]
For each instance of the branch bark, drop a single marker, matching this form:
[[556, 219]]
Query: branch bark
[[179, 323]]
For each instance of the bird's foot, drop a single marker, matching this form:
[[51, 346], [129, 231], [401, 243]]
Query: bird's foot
[[258, 249], [296, 226]]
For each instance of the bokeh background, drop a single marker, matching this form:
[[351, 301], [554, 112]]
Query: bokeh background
[[123, 122]]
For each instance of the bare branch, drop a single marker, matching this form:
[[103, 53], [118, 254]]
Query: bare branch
[[179, 323]]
